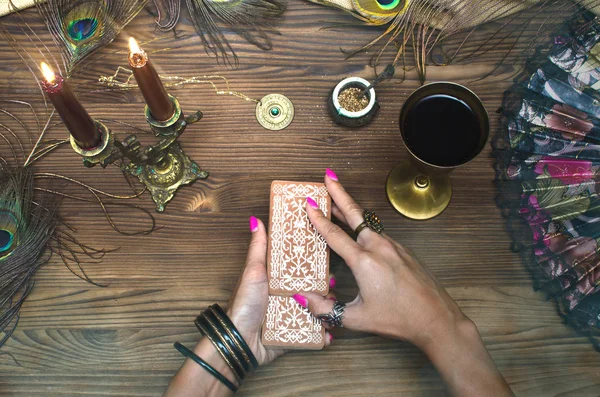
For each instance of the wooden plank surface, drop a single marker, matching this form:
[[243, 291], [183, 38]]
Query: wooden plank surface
[[75, 339]]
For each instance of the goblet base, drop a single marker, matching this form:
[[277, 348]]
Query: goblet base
[[416, 195]]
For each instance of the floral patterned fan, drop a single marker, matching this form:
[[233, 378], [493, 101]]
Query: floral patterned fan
[[548, 171]]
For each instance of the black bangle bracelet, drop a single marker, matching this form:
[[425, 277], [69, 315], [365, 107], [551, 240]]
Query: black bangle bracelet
[[225, 338], [234, 333], [191, 355], [239, 348], [205, 329]]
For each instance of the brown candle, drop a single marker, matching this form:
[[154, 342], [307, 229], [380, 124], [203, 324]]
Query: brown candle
[[76, 118], [154, 92]]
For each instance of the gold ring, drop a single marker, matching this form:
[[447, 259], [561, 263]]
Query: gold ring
[[371, 221]]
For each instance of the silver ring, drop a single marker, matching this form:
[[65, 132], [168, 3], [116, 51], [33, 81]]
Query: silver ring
[[335, 316]]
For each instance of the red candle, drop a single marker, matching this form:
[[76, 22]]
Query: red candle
[[152, 88], [76, 118]]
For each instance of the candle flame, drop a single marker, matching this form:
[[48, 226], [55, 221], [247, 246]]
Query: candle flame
[[49, 75], [137, 57], [133, 46]]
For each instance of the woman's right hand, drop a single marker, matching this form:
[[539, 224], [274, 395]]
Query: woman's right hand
[[398, 297]]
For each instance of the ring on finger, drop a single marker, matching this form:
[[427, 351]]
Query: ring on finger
[[371, 221], [335, 316]]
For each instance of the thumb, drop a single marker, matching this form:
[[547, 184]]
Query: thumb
[[257, 251], [318, 305]]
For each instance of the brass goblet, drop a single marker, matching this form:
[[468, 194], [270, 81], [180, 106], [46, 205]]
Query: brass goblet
[[443, 125]]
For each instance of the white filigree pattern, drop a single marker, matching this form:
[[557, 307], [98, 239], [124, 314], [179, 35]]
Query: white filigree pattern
[[287, 323], [298, 259]]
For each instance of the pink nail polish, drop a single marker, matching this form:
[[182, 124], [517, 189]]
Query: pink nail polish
[[312, 203], [332, 282], [329, 337], [302, 301], [253, 224], [331, 298], [331, 174]]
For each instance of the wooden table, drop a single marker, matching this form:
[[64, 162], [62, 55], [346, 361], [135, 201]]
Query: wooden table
[[75, 339]]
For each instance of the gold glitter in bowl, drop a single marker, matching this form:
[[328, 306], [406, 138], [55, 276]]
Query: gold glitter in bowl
[[349, 100]]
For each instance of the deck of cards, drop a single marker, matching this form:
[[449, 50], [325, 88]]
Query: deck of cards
[[297, 261]]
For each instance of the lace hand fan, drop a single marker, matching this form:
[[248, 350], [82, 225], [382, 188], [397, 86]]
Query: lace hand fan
[[548, 171]]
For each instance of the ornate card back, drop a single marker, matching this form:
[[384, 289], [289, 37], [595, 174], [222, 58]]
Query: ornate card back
[[298, 257], [289, 325]]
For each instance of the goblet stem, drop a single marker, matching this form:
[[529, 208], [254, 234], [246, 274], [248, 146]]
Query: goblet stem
[[417, 195], [422, 181]]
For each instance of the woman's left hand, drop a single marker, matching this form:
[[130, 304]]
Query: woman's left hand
[[248, 305], [247, 310]]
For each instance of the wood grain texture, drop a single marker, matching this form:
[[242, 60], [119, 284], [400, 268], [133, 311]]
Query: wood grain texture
[[75, 339]]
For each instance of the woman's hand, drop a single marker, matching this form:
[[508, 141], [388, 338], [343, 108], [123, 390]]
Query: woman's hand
[[248, 306], [398, 297], [246, 310]]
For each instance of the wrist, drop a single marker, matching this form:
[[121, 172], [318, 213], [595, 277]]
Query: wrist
[[454, 343], [194, 380], [219, 361], [208, 352], [463, 362], [447, 336]]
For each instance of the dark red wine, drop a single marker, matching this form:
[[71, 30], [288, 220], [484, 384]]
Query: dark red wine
[[442, 130]]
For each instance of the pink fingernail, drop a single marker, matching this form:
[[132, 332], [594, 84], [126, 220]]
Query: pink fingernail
[[332, 282], [253, 224], [329, 337], [302, 301], [331, 174], [331, 298], [312, 203]]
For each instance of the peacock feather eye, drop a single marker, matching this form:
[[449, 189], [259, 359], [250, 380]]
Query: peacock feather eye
[[82, 26], [82, 29], [83, 21], [8, 229], [388, 4], [6, 239]]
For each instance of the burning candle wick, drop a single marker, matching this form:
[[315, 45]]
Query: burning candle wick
[[137, 57]]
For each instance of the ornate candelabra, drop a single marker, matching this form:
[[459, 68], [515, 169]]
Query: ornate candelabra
[[162, 167]]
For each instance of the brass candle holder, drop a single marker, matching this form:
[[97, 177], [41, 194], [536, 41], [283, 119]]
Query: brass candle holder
[[162, 167]]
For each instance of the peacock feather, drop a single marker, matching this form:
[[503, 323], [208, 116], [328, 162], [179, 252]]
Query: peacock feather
[[79, 27], [26, 226], [373, 12], [423, 24], [167, 13], [253, 20], [31, 229]]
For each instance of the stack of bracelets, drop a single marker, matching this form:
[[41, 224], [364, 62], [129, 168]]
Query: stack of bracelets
[[218, 328]]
